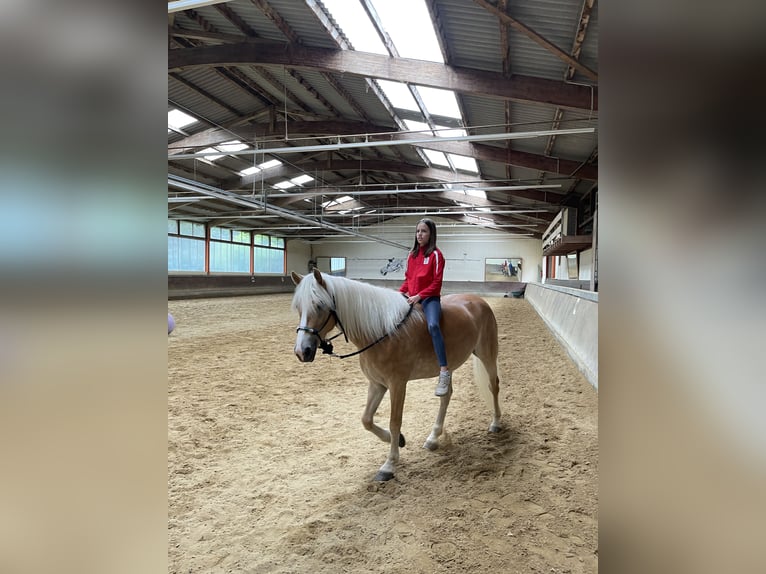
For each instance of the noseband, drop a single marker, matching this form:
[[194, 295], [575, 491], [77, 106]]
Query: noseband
[[325, 344]]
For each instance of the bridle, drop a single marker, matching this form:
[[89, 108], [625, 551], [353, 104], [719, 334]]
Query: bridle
[[326, 345]]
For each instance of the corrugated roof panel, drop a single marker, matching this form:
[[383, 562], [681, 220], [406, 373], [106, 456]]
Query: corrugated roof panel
[[472, 35], [528, 117], [274, 80], [576, 145], [525, 174], [185, 23], [491, 170], [185, 97], [484, 115], [303, 22], [530, 59], [223, 89], [361, 93], [554, 20], [252, 15]]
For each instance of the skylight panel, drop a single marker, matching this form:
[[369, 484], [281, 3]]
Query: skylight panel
[[233, 145], [284, 184], [464, 163], [399, 95], [419, 127], [178, 119], [337, 201], [439, 102], [445, 132], [409, 25], [269, 164], [476, 193], [212, 154], [301, 179], [436, 157], [250, 170], [356, 25]]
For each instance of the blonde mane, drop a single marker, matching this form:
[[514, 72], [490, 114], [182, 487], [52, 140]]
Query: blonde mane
[[366, 311]]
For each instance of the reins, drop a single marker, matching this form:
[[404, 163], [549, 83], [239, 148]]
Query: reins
[[326, 345]]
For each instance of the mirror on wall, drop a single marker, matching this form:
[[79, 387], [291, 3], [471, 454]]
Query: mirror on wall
[[502, 269], [332, 265]]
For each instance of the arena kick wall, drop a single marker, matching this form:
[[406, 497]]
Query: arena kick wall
[[572, 316]]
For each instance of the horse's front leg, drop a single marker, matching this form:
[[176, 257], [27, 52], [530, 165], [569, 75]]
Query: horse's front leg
[[432, 442], [375, 393], [397, 393]]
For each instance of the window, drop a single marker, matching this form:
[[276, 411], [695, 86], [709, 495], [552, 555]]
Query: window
[[186, 251], [268, 254], [332, 265], [227, 256], [230, 250]]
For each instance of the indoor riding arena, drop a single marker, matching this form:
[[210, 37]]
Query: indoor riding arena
[[316, 137]]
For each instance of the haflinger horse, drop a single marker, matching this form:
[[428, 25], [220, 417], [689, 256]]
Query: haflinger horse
[[394, 346]]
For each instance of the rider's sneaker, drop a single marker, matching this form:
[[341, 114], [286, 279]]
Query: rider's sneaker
[[445, 380]]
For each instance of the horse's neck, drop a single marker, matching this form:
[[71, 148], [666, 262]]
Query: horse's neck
[[367, 312]]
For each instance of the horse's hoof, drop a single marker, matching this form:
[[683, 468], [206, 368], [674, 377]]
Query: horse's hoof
[[383, 476], [402, 442], [495, 428], [431, 445]]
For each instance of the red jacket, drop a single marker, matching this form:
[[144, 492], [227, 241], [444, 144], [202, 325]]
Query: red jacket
[[424, 274]]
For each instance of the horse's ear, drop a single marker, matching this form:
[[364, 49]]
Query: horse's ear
[[296, 278], [318, 276]]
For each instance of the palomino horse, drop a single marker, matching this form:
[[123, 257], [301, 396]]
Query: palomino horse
[[394, 346]]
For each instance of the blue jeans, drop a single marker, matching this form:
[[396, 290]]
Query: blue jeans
[[432, 308]]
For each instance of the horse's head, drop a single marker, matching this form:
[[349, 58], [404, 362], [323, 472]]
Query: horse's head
[[315, 307]]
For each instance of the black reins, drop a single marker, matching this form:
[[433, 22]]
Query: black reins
[[326, 345]]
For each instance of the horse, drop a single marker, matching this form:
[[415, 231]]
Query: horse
[[394, 346]]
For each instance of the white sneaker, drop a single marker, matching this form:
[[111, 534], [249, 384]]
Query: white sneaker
[[445, 380]]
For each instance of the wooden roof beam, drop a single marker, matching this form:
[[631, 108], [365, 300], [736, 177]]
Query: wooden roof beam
[[419, 72], [538, 39]]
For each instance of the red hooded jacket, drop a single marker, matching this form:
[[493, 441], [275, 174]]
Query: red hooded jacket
[[424, 274]]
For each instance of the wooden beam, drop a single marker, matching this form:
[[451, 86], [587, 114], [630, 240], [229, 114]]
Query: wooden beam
[[419, 72], [537, 38]]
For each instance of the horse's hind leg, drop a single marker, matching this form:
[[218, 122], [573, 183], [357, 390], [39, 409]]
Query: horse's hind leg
[[488, 384], [432, 442]]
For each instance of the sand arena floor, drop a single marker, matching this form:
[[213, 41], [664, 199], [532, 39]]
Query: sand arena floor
[[270, 470]]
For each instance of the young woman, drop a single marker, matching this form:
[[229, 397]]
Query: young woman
[[423, 284]]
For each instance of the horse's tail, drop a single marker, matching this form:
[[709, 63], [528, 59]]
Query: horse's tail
[[481, 376]]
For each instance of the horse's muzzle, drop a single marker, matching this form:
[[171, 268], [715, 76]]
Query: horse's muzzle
[[305, 353]]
